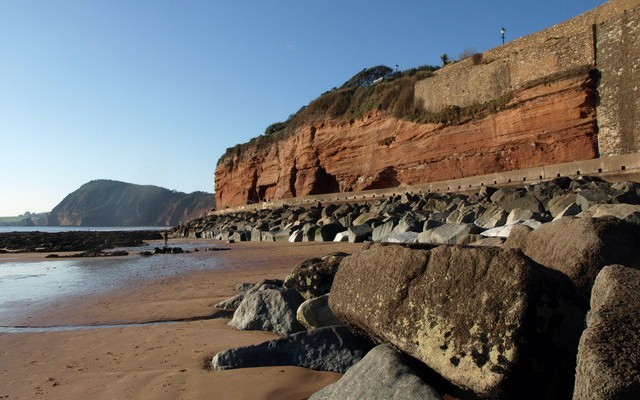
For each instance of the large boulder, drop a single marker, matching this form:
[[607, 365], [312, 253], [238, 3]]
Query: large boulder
[[316, 313], [244, 288], [333, 348], [342, 237], [328, 232], [493, 217], [313, 277], [256, 235], [510, 199], [609, 352], [408, 223], [269, 310], [486, 319], [504, 231], [359, 233], [627, 212], [366, 218], [381, 375], [451, 233], [629, 192], [381, 231], [581, 247], [588, 197], [560, 202], [402, 237]]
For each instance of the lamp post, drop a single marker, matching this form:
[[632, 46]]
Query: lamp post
[[502, 32]]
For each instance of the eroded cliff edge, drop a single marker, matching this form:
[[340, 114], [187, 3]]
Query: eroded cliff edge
[[555, 105]]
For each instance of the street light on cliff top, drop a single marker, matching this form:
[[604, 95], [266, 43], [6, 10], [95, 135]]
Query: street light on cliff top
[[502, 32]]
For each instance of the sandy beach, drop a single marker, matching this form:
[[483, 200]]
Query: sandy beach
[[163, 361]]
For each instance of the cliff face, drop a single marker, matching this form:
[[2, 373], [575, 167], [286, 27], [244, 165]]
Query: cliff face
[[112, 203], [546, 124]]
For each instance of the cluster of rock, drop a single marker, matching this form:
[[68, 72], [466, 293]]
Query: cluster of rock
[[91, 254], [162, 250], [311, 336], [88, 241], [551, 313], [438, 218]]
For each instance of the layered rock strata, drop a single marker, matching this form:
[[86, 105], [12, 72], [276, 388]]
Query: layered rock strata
[[545, 124]]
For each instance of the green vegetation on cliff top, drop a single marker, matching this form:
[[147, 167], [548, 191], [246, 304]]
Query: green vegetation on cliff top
[[379, 89]]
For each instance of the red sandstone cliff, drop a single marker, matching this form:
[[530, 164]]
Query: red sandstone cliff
[[547, 124]]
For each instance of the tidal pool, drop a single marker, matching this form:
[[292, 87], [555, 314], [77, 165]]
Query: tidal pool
[[23, 284]]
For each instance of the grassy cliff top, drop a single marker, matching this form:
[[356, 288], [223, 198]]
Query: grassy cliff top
[[377, 88]]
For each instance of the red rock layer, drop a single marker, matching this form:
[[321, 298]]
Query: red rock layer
[[547, 124]]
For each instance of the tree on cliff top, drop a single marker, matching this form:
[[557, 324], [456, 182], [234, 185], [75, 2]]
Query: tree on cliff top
[[367, 76]]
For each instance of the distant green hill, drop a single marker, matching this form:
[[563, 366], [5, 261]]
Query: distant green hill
[[26, 219], [113, 203]]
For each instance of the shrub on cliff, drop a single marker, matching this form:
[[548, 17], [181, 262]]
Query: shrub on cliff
[[354, 99], [367, 76], [275, 127]]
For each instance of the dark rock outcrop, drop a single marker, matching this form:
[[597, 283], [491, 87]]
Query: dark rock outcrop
[[486, 319], [325, 349], [94, 241], [609, 352]]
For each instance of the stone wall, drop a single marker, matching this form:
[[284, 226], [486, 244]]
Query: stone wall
[[483, 78], [606, 38], [618, 60]]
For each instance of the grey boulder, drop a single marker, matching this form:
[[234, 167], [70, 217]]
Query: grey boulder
[[381, 375], [269, 310], [581, 247], [382, 230], [333, 348], [451, 233], [492, 217], [244, 288], [402, 237], [626, 212], [359, 233], [316, 313], [609, 352]]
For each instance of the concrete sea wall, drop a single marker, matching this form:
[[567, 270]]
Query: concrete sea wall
[[606, 39]]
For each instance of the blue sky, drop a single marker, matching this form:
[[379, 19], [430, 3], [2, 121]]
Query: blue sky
[[153, 92]]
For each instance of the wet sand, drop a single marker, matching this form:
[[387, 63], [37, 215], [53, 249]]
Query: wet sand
[[159, 361]]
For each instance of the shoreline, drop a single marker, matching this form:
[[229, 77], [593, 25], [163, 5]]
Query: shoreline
[[161, 361]]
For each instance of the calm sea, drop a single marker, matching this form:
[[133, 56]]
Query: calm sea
[[54, 229]]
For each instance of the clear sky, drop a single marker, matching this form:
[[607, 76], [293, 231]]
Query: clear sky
[[153, 91]]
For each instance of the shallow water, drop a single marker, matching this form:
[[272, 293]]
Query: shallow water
[[66, 328], [24, 283]]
